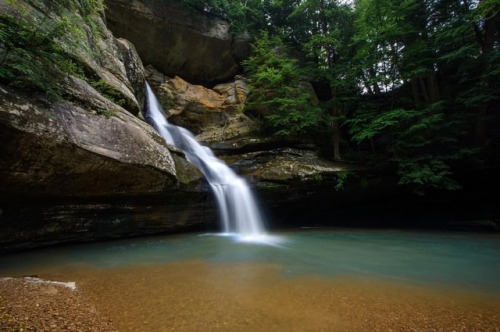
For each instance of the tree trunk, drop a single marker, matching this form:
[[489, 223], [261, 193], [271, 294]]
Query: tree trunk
[[414, 89], [367, 85], [335, 125], [485, 38], [424, 89], [373, 75], [432, 86]]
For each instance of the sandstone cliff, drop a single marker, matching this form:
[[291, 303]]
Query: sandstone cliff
[[85, 166], [177, 41]]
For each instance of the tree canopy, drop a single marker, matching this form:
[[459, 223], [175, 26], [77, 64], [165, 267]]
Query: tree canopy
[[408, 86]]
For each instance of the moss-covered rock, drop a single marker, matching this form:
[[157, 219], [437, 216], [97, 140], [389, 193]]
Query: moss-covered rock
[[47, 42], [81, 166]]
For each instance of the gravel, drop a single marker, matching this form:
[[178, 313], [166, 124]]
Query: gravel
[[28, 304], [197, 296]]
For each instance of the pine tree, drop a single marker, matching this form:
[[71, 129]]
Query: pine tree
[[277, 94]]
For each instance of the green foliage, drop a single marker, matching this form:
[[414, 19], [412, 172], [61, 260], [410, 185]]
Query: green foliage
[[341, 180], [423, 175], [444, 51], [413, 80], [243, 15], [276, 89], [34, 49], [107, 112], [30, 56], [416, 75], [422, 145], [368, 125]]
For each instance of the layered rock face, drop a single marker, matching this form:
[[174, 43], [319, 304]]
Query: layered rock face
[[59, 148], [64, 150], [85, 167], [177, 40], [214, 115], [286, 173]]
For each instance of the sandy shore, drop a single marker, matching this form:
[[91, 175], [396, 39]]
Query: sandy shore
[[196, 296], [31, 305]]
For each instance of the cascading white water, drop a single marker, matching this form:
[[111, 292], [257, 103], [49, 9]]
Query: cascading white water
[[239, 212]]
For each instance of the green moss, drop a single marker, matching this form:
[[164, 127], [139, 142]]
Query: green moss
[[167, 99], [37, 47], [109, 92], [107, 112]]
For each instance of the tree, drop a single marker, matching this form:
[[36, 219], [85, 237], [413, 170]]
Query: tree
[[277, 94], [243, 15], [421, 61], [326, 29], [418, 75], [468, 46]]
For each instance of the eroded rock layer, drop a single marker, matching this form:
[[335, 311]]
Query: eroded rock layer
[[178, 40]]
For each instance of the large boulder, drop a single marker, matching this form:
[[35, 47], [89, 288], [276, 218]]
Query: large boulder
[[92, 52], [72, 175], [84, 167], [64, 150], [59, 147], [179, 40]]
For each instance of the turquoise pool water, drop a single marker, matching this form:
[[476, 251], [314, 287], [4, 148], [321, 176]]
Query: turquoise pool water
[[468, 261]]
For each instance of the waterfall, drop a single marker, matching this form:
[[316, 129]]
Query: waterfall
[[239, 213]]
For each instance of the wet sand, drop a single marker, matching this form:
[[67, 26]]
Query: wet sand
[[198, 296]]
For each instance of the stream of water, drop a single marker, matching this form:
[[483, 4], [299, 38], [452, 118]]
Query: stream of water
[[239, 211]]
